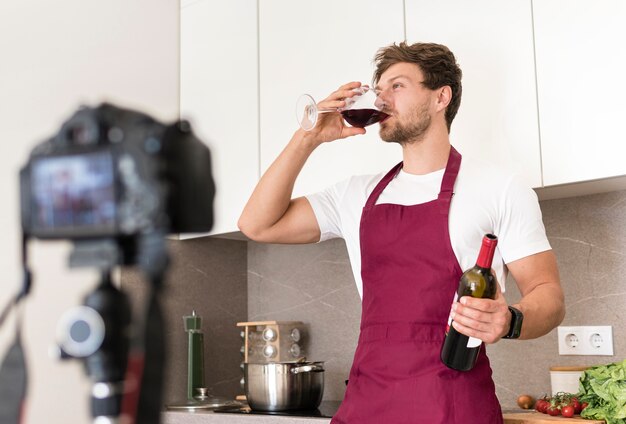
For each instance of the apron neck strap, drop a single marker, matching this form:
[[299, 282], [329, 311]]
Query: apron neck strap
[[449, 178], [371, 200], [447, 183]]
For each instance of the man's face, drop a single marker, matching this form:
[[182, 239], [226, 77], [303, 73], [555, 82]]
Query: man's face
[[402, 95]]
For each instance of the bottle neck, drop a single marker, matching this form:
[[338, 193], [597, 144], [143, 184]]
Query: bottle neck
[[487, 250]]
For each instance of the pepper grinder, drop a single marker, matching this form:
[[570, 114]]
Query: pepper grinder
[[198, 396], [195, 354]]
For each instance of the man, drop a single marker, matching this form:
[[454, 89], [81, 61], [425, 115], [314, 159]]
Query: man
[[410, 233]]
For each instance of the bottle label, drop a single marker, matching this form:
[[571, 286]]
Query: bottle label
[[473, 342], [456, 297]]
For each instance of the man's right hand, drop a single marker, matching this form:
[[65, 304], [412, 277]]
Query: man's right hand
[[271, 215], [330, 126]]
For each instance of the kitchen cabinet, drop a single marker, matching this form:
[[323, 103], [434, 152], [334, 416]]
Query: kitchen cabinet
[[219, 95], [493, 43], [314, 47], [245, 63], [581, 88]]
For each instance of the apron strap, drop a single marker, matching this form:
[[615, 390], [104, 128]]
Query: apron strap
[[447, 183], [371, 200]]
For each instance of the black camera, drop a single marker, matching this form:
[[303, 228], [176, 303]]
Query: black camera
[[115, 182], [115, 173]]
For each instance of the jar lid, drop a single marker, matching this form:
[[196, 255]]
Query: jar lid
[[569, 368]]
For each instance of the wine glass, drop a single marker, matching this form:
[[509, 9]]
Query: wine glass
[[361, 110]]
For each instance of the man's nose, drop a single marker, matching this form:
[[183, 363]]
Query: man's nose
[[381, 102]]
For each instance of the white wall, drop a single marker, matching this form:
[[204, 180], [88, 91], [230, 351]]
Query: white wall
[[55, 55]]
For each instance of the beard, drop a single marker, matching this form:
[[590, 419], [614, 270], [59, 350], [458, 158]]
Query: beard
[[411, 132]]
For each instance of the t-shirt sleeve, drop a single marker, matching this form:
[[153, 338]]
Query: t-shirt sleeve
[[325, 206], [521, 231]]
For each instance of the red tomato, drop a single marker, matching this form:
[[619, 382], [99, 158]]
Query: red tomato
[[567, 411], [554, 410], [583, 406], [577, 406], [542, 406]]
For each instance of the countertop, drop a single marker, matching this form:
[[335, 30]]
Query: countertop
[[208, 417], [320, 416], [539, 418]]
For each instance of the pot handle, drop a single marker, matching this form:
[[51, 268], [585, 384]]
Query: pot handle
[[307, 368]]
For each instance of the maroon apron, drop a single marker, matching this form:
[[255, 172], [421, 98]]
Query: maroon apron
[[410, 275]]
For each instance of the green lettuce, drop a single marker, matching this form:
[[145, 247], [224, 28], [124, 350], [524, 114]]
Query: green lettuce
[[604, 388]]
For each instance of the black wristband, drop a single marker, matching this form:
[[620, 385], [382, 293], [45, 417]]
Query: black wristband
[[516, 324]]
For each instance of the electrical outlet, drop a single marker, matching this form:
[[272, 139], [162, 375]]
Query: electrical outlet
[[586, 340]]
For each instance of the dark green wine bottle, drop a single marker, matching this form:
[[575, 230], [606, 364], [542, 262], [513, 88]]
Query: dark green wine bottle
[[459, 351]]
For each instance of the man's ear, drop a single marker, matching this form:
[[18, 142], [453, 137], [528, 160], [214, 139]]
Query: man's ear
[[444, 97]]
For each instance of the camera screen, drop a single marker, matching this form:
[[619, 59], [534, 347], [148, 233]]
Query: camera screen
[[74, 194]]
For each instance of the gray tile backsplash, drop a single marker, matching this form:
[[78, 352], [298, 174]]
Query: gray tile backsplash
[[227, 281], [313, 284], [207, 275], [588, 235]]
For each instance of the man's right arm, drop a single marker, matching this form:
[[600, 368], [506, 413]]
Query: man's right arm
[[271, 215]]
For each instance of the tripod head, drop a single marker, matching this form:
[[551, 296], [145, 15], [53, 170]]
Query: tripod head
[[98, 333]]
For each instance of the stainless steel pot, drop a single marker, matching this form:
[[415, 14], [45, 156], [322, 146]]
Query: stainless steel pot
[[284, 386]]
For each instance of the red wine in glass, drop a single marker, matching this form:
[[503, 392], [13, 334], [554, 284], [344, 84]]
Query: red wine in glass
[[360, 110], [363, 117]]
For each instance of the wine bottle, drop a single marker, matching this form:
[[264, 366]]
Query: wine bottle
[[459, 351]]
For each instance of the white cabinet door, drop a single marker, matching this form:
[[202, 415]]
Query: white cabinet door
[[219, 95], [314, 47], [581, 59], [493, 43]]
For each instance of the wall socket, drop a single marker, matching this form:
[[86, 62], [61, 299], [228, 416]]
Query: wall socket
[[586, 340]]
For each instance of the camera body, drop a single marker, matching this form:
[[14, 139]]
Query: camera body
[[116, 173]]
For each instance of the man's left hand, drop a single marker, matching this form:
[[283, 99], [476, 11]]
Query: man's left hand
[[486, 319]]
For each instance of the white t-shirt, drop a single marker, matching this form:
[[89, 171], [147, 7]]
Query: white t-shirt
[[486, 200]]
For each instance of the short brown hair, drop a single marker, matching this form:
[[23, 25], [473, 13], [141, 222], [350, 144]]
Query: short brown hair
[[436, 62]]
